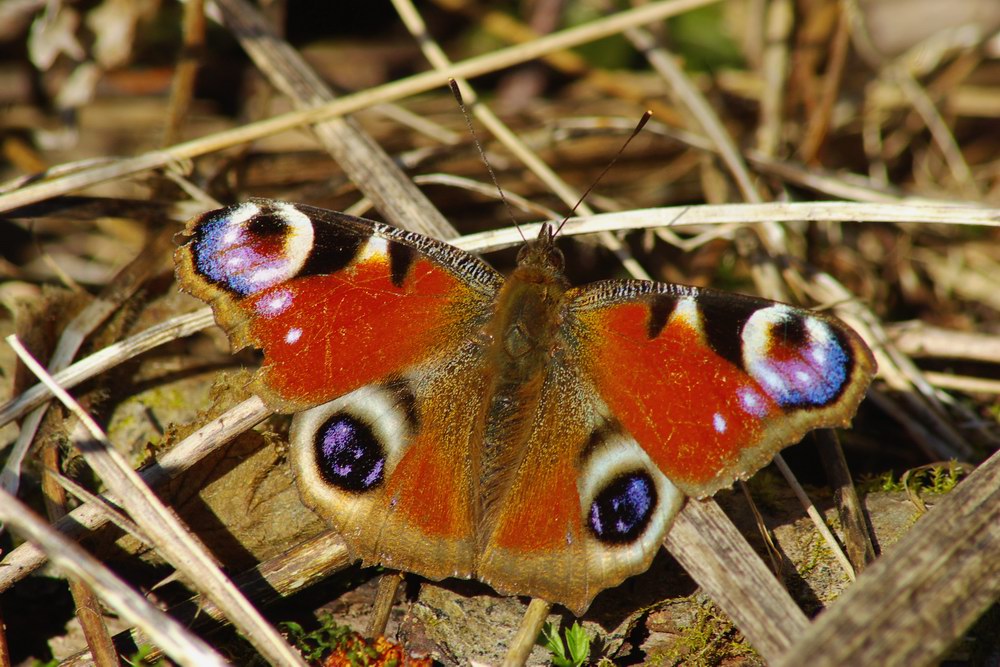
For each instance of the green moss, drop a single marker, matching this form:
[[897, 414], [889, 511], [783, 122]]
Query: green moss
[[315, 644], [710, 640], [817, 555], [934, 479]]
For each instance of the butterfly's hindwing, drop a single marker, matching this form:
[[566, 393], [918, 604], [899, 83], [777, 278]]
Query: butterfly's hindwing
[[584, 506], [392, 466]]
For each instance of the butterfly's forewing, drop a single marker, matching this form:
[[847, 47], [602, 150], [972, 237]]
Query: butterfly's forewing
[[335, 302], [713, 384]]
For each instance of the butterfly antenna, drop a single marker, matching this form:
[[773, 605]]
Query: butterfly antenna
[[482, 154], [638, 128]]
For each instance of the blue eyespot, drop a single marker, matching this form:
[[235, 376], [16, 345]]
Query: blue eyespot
[[620, 513], [246, 249], [799, 361], [348, 454]]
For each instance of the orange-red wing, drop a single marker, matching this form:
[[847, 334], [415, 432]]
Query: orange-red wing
[[393, 466], [713, 384], [334, 302]]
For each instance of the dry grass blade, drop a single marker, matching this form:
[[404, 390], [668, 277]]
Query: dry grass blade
[[173, 637], [810, 508], [107, 358], [570, 198], [856, 529], [388, 586], [304, 565], [85, 599], [911, 604], [918, 340], [171, 538], [705, 543], [72, 337], [26, 558], [531, 626], [361, 158], [749, 214], [698, 108], [349, 104]]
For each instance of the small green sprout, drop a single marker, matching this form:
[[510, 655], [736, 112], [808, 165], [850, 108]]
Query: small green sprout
[[571, 653], [317, 643]]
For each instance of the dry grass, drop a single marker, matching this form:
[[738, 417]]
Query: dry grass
[[798, 152]]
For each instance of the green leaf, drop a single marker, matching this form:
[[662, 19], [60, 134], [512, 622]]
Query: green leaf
[[578, 642], [571, 653]]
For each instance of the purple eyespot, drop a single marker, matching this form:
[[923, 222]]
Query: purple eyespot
[[621, 511], [799, 361], [348, 454], [246, 249]]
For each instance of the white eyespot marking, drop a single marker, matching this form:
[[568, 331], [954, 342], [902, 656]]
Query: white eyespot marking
[[293, 335], [238, 217], [300, 236], [275, 303], [687, 312], [376, 248], [627, 504], [243, 212], [818, 355], [719, 423], [344, 449], [751, 402], [770, 379], [797, 358]]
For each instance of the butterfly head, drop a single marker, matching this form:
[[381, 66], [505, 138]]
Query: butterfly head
[[542, 253]]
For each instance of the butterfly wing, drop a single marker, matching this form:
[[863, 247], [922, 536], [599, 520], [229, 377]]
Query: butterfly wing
[[393, 466], [657, 392], [585, 506], [558, 485], [386, 323], [713, 384], [335, 302]]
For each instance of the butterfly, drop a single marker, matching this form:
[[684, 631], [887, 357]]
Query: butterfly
[[533, 435]]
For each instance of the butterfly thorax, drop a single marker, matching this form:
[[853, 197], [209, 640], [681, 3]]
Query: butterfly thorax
[[528, 312]]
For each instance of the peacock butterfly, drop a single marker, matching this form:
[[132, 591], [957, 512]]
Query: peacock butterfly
[[536, 436]]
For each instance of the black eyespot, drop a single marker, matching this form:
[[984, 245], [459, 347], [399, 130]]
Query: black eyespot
[[620, 513], [791, 331], [348, 454], [267, 224]]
